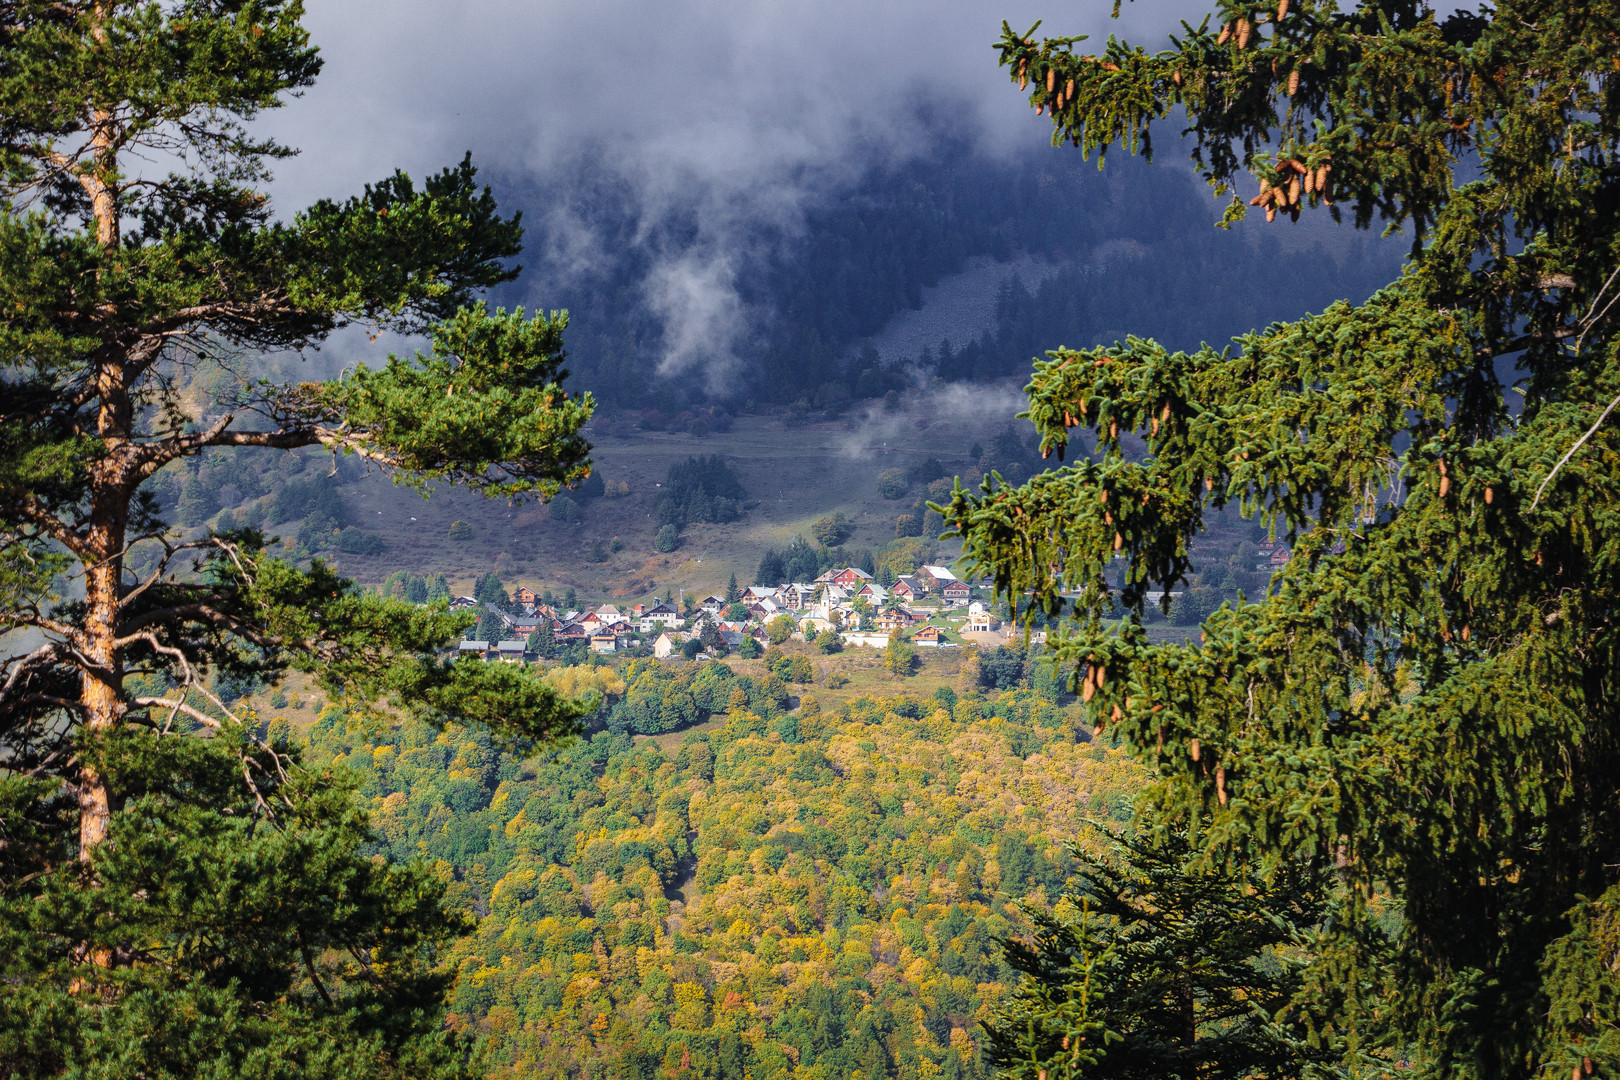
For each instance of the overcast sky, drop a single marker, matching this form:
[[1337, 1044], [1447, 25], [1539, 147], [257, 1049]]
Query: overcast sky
[[720, 93], [744, 113]]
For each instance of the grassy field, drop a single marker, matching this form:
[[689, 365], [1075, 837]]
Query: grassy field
[[797, 474]]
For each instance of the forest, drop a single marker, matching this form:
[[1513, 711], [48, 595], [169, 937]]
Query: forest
[[820, 889]]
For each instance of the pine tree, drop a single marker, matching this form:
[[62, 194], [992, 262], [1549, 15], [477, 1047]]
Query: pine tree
[[1425, 698], [182, 906], [1159, 966], [733, 593], [543, 642]]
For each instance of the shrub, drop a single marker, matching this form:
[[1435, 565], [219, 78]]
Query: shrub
[[461, 531], [893, 483], [830, 642], [565, 509], [356, 542], [668, 538], [907, 525], [832, 531]]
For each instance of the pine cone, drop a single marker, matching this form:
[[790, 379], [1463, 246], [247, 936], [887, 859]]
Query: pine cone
[[1226, 32], [1293, 78], [1243, 29]]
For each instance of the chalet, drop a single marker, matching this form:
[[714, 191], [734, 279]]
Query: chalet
[[524, 627], [798, 597], [714, 605], [956, 592], [935, 577], [604, 642], [732, 638], [666, 646], [756, 594], [1280, 556], [894, 619], [980, 621], [570, 632], [473, 648], [524, 596], [511, 650], [872, 593], [929, 636], [850, 577], [908, 587], [461, 602], [610, 615], [658, 613]]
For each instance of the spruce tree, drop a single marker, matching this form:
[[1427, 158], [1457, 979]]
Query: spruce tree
[[203, 906], [1425, 697], [1158, 965], [733, 593]]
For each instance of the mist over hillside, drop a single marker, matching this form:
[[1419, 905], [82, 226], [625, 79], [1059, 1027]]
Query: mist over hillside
[[1056, 251]]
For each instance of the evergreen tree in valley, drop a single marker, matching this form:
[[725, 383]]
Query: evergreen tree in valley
[[173, 905], [1425, 700], [1159, 966]]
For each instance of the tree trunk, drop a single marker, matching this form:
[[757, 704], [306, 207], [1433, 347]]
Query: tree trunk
[[102, 686]]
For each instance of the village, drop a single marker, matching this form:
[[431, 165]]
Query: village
[[931, 608]]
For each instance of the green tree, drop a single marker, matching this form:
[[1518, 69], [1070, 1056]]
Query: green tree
[[668, 539], [173, 905], [1161, 966], [460, 531], [780, 629], [771, 572], [733, 593], [893, 483], [900, 655], [1424, 699], [543, 642], [438, 588], [832, 531]]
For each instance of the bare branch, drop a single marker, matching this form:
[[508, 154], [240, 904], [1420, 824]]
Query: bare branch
[[1571, 451]]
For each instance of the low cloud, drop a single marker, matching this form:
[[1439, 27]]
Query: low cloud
[[720, 124], [975, 410]]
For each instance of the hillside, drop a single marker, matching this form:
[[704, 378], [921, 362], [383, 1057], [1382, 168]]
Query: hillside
[[815, 888], [794, 474]]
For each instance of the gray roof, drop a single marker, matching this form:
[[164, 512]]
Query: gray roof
[[512, 645], [474, 646]]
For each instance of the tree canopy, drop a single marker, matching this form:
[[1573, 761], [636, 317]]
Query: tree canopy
[[1423, 701], [189, 906]]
